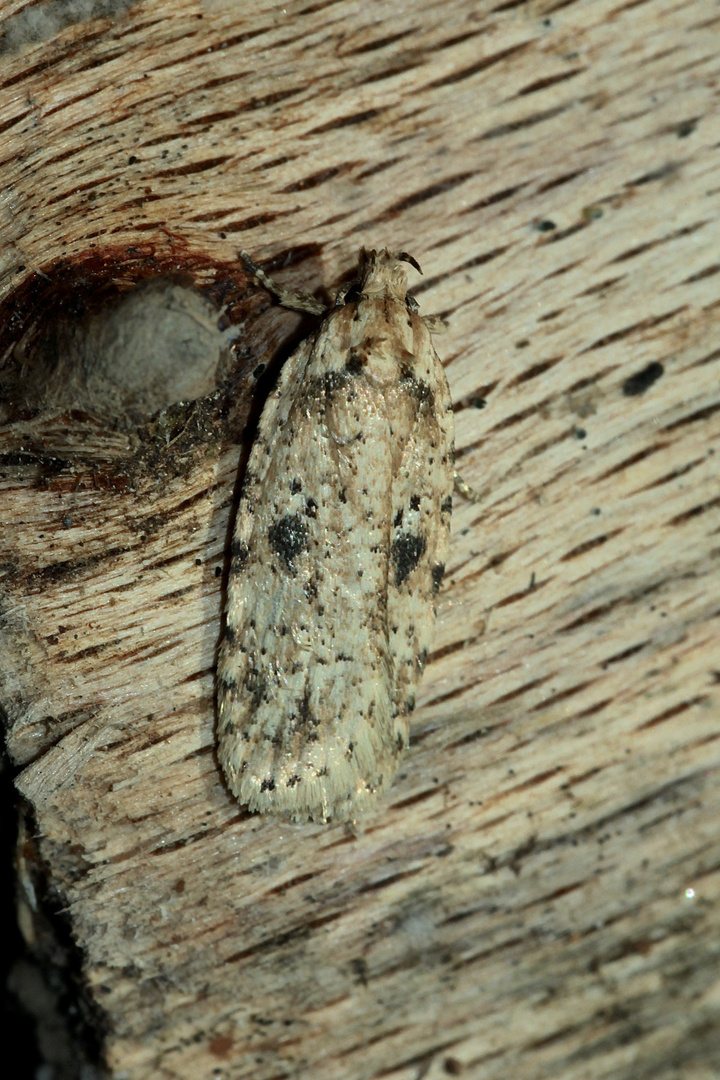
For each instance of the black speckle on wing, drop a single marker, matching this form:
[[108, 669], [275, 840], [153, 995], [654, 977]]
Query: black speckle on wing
[[255, 684], [239, 556]]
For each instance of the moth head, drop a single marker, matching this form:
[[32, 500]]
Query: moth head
[[382, 273]]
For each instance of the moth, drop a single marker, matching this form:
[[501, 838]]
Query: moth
[[338, 553]]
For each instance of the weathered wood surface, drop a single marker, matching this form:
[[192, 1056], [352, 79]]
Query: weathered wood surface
[[537, 895]]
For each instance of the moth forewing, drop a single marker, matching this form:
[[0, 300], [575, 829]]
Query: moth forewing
[[339, 544]]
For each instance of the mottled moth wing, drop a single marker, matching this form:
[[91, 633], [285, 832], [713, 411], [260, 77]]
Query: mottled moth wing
[[339, 545]]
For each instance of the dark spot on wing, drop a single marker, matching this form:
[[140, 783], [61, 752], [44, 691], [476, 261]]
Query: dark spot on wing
[[420, 390], [304, 718], [295, 486], [288, 537], [407, 550], [356, 361], [437, 575], [227, 686], [268, 785], [334, 382], [446, 507]]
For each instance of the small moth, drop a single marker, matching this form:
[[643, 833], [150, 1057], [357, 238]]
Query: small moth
[[337, 556]]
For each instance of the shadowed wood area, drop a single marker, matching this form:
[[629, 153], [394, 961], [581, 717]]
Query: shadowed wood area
[[537, 894]]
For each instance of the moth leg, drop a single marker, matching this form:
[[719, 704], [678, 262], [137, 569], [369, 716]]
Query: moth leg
[[288, 298], [342, 293], [435, 323], [470, 493]]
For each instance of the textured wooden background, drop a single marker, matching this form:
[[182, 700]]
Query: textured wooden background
[[537, 895]]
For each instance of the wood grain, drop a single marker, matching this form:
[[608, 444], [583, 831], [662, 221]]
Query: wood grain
[[537, 895]]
